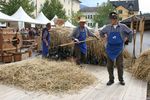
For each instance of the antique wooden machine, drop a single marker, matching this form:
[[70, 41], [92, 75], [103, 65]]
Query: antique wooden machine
[[10, 45]]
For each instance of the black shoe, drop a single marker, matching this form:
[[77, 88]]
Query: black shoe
[[122, 82], [110, 83]]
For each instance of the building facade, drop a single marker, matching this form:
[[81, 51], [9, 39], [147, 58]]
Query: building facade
[[126, 8], [69, 6], [89, 13]]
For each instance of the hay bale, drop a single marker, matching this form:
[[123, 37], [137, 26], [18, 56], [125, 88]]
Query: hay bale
[[141, 68], [127, 60], [60, 35], [126, 54], [96, 52], [43, 75]]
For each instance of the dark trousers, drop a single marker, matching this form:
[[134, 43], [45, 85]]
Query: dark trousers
[[119, 65], [79, 56]]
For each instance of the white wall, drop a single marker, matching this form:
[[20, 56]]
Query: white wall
[[69, 5], [88, 16], [39, 5]]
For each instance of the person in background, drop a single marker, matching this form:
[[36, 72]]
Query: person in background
[[80, 34], [116, 36], [46, 40], [31, 33]]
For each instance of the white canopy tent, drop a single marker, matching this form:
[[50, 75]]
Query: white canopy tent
[[42, 19], [102, 27], [88, 27], [68, 24], [53, 20], [4, 17], [22, 16]]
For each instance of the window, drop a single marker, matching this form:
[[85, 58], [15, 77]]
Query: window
[[120, 18], [91, 16], [68, 12], [88, 16], [41, 5], [120, 11], [88, 24]]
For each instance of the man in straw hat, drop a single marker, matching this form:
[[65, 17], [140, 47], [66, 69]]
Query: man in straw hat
[[46, 40], [116, 35], [78, 35]]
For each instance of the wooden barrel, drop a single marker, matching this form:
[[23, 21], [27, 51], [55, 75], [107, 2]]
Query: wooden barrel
[[7, 58]]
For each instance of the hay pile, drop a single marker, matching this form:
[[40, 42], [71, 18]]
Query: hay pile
[[43, 75], [96, 52], [60, 35], [141, 68]]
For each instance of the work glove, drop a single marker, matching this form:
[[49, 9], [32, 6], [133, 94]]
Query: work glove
[[126, 42], [76, 40]]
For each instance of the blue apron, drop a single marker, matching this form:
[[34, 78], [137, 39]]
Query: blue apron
[[114, 45], [82, 46], [45, 49]]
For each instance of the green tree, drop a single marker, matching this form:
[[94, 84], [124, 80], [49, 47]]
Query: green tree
[[12, 6], [75, 17], [102, 14], [52, 8]]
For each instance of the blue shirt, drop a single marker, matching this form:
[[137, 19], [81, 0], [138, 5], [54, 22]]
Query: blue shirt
[[121, 28]]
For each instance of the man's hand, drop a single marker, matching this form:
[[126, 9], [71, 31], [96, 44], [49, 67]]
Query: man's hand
[[47, 44], [105, 38], [126, 41], [76, 40]]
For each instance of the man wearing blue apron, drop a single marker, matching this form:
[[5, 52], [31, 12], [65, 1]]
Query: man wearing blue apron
[[80, 34], [46, 40], [116, 36]]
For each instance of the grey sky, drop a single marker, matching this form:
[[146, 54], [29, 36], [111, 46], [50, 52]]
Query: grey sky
[[144, 4]]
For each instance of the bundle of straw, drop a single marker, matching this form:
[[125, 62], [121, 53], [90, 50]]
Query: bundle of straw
[[43, 75], [60, 36], [141, 68]]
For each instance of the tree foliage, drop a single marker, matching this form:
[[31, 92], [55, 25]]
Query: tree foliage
[[102, 13], [75, 17], [9, 7], [52, 8]]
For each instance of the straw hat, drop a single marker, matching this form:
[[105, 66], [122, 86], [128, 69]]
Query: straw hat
[[82, 19]]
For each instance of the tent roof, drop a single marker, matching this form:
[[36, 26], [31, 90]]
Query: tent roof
[[52, 21], [42, 18], [88, 27], [102, 27], [21, 15], [68, 24], [55, 17], [4, 17]]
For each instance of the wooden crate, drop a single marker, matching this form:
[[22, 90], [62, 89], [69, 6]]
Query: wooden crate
[[0, 58], [25, 55], [7, 58], [17, 56]]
